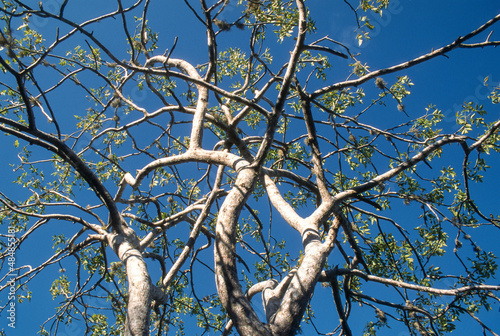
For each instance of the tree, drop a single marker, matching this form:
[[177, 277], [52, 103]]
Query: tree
[[154, 175]]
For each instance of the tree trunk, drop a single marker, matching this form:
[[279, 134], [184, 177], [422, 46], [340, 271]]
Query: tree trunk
[[230, 292], [139, 287]]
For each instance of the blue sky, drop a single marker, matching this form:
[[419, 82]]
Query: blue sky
[[409, 29]]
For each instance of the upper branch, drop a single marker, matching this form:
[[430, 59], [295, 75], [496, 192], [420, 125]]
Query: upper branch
[[58, 147], [201, 106], [441, 51], [328, 206], [326, 275], [313, 143], [22, 91], [199, 155], [285, 86]]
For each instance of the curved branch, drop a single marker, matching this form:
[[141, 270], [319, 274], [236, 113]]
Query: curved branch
[[196, 155], [201, 106], [327, 207], [58, 147], [284, 208]]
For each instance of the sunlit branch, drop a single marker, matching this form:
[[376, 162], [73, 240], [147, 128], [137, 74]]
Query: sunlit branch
[[438, 52], [419, 157], [284, 208], [194, 231], [401, 284], [197, 128]]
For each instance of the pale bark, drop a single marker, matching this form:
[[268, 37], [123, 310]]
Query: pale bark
[[402, 284], [230, 293], [284, 301], [139, 285], [201, 106]]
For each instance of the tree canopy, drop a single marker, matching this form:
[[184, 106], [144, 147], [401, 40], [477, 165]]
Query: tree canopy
[[207, 167]]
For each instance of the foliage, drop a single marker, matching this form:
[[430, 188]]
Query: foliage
[[152, 175]]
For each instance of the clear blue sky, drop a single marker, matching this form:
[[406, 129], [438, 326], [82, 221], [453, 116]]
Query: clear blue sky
[[410, 29]]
